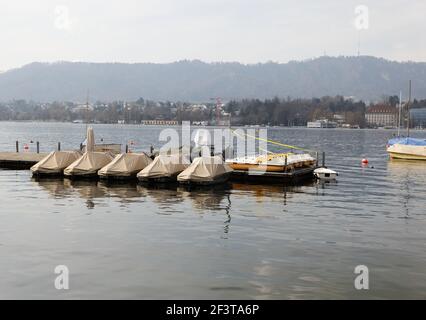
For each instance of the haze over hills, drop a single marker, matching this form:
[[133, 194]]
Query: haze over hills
[[366, 78]]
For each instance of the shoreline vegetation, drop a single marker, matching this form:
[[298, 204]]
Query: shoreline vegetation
[[247, 112]]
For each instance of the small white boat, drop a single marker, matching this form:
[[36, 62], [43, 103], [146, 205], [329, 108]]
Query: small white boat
[[325, 174]]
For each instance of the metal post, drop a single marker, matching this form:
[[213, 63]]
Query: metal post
[[127, 148], [408, 110], [316, 157], [323, 159], [81, 147], [17, 146], [152, 150], [59, 146], [38, 147]]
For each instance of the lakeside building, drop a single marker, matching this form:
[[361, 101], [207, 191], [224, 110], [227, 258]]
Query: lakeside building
[[160, 122], [340, 118], [418, 117], [322, 123], [382, 116]]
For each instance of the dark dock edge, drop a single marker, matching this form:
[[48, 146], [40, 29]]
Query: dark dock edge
[[299, 174]]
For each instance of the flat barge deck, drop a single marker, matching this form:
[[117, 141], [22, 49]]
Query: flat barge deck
[[20, 160]]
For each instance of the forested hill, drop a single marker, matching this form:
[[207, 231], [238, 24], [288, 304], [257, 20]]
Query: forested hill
[[366, 78]]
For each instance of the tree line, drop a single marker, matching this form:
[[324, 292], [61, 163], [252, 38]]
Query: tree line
[[276, 111]]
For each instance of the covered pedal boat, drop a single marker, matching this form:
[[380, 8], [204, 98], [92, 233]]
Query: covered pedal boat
[[205, 170], [55, 163], [125, 165], [164, 168], [91, 162]]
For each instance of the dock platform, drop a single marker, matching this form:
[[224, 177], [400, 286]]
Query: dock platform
[[20, 160], [296, 175]]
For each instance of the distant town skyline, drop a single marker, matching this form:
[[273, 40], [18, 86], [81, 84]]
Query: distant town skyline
[[246, 31]]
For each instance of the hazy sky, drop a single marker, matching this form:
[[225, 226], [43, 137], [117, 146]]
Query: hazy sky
[[247, 31]]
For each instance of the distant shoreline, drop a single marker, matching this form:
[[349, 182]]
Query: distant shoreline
[[198, 126]]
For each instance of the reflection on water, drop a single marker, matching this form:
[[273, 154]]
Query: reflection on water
[[235, 241]]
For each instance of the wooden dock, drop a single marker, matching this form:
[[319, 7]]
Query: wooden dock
[[19, 160], [294, 176]]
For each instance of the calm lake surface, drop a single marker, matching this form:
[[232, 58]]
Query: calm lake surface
[[228, 242]]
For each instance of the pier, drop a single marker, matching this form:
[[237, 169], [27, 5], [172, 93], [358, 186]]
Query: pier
[[20, 160]]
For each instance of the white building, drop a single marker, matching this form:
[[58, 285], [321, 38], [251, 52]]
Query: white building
[[382, 116], [323, 123]]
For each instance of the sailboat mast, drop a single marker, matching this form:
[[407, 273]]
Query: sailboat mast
[[87, 110], [408, 109], [399, 113]]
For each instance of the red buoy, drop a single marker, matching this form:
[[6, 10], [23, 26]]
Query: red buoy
[[364, 161], [26, 147]]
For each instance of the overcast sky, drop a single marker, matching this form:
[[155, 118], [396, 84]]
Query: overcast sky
[[248, 31]]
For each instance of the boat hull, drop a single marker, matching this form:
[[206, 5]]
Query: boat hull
[[216, 180], [407, 152], [269, 168], [404, 156]]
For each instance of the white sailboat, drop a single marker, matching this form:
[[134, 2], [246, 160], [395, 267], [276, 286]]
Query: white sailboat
[[406, 148]]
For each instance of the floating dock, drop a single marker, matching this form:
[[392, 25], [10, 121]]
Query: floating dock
[[296, 175], [25, 160], [20, 160]]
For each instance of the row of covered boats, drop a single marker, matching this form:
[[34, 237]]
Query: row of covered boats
[[105, 165], [169, 167]]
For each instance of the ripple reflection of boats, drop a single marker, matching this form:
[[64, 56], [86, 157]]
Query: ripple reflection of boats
[[264, 191], [125, 191], [88, 189], [410, 170], [161, 193], [57, 187], [400, 165], [207, 197]]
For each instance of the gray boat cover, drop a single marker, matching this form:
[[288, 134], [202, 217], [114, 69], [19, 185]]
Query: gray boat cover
[[90, 163], [164, 166], [125, 165], [55, 162], [204, 169]]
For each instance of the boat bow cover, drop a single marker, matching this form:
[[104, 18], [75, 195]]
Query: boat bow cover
[[164, 166], [204, 169], [90, 163], [125, 164], [56, 162]]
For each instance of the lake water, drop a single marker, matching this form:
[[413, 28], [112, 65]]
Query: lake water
[[227, 242]]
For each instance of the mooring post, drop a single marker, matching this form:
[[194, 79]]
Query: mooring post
[[38, 147], [17, 146], [316, 157], [323, 159], [127, 148], [81, 147], [285, 163], [152, 149], [59, 146]]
